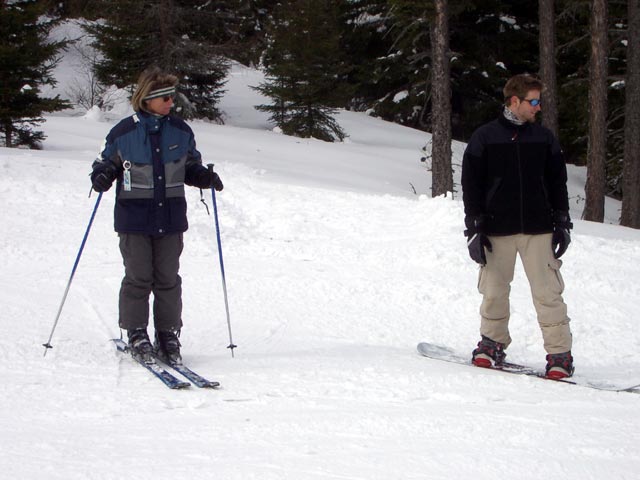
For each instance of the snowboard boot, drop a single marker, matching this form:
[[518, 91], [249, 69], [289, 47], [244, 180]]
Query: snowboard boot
[[488, 353], [167, 346], [559, 365], [140, 344]]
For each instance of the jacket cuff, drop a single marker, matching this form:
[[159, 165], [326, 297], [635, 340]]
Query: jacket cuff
[[561, 219]]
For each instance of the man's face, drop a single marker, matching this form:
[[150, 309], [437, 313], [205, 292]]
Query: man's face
[[522, 107]]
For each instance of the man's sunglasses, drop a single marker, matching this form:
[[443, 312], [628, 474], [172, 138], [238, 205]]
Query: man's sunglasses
[[534, 101]]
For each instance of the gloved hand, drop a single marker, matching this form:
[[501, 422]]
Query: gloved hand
[[561, 238], [209, 178], [476, 245], [477, 240], [102, 179], [216, 183]]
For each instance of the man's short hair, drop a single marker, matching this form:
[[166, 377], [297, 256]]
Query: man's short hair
[[520, 85]]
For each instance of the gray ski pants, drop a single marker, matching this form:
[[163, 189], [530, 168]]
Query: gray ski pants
[[542, 271], [151, 265]]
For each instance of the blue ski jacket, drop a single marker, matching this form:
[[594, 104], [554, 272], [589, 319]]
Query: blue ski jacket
[[152, 158]]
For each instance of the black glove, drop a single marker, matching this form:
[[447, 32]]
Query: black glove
[[102, 178], [561, 238], [477, 240], [216, 183], [208, 179], [476, 245]]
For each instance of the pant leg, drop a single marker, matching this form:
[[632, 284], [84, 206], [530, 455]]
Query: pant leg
[[167, 284], [543, 272], [136, 285], [494, 284]]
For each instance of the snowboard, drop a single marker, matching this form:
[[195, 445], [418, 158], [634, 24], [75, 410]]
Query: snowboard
[[442, 353]]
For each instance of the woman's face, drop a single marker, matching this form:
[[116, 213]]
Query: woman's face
[[160, 105]]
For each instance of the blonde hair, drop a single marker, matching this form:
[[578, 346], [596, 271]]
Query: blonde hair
[[149, 80]]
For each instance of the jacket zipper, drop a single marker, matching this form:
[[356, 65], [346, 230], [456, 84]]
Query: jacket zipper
[[515, 139]]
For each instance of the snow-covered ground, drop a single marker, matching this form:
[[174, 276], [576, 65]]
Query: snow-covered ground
[[335, 269]]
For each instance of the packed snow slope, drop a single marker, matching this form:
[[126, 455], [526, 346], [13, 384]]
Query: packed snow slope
[[335, 270]]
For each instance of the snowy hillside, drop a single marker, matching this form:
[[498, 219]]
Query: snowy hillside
[[336, 269]]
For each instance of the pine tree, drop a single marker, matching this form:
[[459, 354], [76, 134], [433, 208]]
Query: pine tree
[[491, 41], [404, 69], [304, 70], [251, 18], [573, 69], [125, 37], [27, 60], [365, 42], [180, 36]]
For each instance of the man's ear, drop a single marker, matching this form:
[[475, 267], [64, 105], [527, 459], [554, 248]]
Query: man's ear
[[512, 100]]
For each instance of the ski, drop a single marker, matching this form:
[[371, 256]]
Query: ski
[[195, 378], [438, 352], [163, 375]]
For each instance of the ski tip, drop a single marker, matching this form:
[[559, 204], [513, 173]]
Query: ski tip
[[211, 385], [180, 386]]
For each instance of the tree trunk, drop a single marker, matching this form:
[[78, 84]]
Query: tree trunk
[[597, 150], [546, 14], [8, 134], [631, 171], [441, 172]]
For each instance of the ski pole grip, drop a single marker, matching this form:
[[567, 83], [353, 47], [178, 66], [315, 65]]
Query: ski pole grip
[[210, 167]]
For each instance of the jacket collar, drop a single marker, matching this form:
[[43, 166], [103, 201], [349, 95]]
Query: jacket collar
[[152, 123], [510, 125]]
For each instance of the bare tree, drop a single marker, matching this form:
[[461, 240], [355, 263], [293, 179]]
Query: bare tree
[[546, 14], [85, 89], [441, 172], [597, 150], [631, 171]]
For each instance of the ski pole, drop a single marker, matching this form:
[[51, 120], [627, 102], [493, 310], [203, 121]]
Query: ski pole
[[224, 282], [48, 345]]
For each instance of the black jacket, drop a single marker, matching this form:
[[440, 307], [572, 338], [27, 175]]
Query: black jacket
[[514, 177]]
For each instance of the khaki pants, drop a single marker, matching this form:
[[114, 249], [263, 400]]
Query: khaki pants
[[543, 273]]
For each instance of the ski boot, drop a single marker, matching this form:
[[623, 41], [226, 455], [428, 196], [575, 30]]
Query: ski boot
[[167, 347], [140, 345]]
